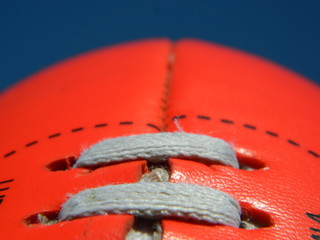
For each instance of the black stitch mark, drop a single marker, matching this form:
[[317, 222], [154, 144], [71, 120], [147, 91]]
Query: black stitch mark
[[314, 217], [31, 143], [249, 126], [54, 135], [293, 143], [203, 117], [154, 126], [3, 189], [77, 129], [125, 123], [179, 117], [272, 134], [226, 121], [101, 125], [314, 154], [10, 153], [6, 181], [315, 236]]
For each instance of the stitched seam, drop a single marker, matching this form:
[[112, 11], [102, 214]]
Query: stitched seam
[[2, 195], [167, 88], [271, 134]]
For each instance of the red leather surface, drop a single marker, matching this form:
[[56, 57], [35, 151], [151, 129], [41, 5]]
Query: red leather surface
[[269, 114], [65, 109], [255, 97]]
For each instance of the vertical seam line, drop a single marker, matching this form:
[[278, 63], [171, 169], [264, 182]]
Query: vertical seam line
[[167, 89]]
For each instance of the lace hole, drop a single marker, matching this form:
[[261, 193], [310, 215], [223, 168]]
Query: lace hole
[[253, 218], [43, 218], [250, 163], [62, 164]]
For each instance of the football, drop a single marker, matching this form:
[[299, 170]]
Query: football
[[157, 139]]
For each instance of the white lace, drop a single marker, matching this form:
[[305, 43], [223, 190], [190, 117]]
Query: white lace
[[154, 197]]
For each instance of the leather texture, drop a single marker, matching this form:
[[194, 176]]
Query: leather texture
[[269, 114]]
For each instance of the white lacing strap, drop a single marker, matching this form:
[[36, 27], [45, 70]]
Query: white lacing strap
[[158, 148], [156, 200]]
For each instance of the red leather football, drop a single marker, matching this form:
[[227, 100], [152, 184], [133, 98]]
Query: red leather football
[[269, 115]]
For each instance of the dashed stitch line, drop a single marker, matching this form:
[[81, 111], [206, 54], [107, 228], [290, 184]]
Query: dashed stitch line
[[272, 134], [226, 121], [126, 123], [6, 181], [31, 143], [154, 126], [314, 154], [293, 143], [10, 153], [54, 135], [315, 229], [203, 117], [101, 125], [249, 126], [77, 129], [179, 117], [4, 189], [175, 118]]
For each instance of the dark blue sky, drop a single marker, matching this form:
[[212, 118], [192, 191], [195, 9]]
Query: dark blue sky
[[35, 34]]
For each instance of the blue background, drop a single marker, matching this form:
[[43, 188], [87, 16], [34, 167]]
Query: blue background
[[35, 34]]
